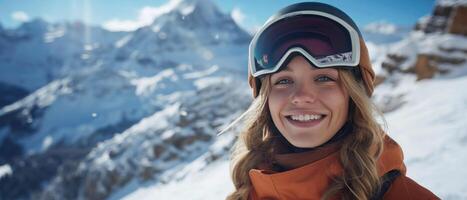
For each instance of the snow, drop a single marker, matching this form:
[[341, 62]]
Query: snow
[[5, 170], [47, 142], [40, 52], [146, 79], [146, 85], [433, 134], [451, 2], [189, 178], [156, 12], [377, 55], [206, 82], [200, 74], [187, 10], [428, 44], [54, 34], [105, 98], [131, 152], [203, 185], [123, 41], [42, 97]]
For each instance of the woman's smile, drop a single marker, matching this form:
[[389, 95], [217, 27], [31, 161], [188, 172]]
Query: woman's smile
[[302, 119], [305, 120]]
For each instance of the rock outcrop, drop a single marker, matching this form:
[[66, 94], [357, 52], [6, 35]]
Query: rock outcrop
[[436, 46]]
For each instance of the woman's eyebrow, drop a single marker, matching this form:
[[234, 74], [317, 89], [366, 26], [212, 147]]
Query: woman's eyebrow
[[287, 69]]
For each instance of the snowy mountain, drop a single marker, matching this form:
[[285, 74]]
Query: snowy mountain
[[39, 52], [191, 24], [158, 147], [193, 29], [112, 86]]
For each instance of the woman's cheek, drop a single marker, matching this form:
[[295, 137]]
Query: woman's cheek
[[279, 94]]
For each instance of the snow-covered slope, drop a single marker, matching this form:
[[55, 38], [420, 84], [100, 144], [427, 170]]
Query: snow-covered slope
[[213, 180], [432, 129], [108, 82], [166, 140], [110, 88]]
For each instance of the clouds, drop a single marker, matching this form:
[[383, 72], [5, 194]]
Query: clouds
[[239, 17], [145, 17], [20, 16], [382, 27]]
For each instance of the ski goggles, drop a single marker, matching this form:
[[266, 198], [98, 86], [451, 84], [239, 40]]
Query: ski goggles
[[322, 38]]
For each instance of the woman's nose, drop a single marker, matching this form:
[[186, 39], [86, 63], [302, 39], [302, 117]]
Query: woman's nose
[[303, 94]]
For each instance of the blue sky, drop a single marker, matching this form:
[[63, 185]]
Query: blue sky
[[249, 13]]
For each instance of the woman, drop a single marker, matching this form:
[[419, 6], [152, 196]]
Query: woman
[[310, 132]]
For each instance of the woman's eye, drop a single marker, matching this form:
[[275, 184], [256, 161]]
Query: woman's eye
[[283, 81], [324, 79]]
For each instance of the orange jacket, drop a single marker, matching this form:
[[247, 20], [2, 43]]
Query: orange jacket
[[310, 181]]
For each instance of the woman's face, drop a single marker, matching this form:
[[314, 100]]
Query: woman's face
[[307, 104]]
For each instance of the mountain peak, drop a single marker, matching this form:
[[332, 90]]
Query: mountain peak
[[198, 2], [184, 7], [37, 25], [194, 2], [204, 7], [191, 14], [201, 16]]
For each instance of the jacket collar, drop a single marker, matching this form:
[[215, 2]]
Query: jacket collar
[[311, 176], [289, 157]]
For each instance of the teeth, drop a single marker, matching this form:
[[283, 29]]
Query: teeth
[[305, 117]]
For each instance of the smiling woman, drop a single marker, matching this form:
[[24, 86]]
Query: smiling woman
[[310, 132]]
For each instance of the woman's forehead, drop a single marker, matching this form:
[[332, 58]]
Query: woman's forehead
[[300, 68]]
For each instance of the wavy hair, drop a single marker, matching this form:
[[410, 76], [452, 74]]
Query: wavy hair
[[358, 153]]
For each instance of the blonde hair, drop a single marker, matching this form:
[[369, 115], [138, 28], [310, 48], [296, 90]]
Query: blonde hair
[[253, 145], [358, 154]]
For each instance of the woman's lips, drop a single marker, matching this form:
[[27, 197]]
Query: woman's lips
[[304, 124]]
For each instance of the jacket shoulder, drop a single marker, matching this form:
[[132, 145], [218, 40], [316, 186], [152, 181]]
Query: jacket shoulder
[[404, 187]]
